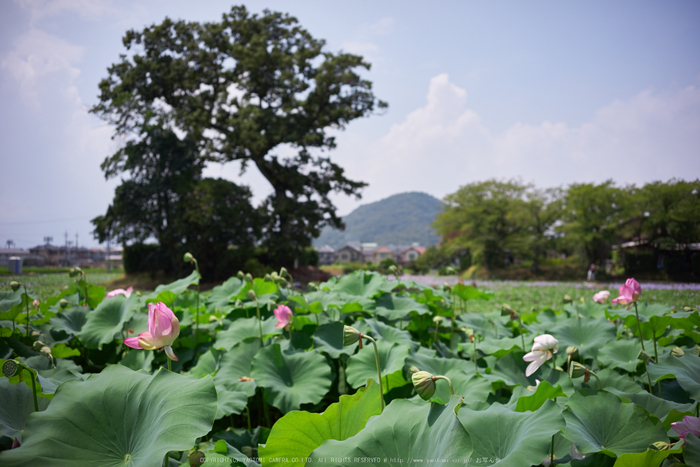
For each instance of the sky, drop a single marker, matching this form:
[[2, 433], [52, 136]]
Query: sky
[[549, 92]]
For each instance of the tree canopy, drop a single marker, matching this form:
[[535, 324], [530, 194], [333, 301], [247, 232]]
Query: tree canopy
[[257, 89]]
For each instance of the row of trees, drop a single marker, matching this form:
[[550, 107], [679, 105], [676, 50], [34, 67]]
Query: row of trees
[[188, 94], [493, 221]]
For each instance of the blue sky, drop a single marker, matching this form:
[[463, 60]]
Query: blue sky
[[551, 92]]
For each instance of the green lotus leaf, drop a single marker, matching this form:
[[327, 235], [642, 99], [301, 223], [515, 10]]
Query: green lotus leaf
[[221, 295], [63, 351], [329, 338], [404, 434], [230, 401], [587, 310], [511, 370], [246, 328], [71, 320], [502, 347], [485, 324], [474, 388], [117, 418], [236, 364], [297, 434], [661, 408], [648, 458], [691, 452], [533, 401], [601, 422], [106, 322], [8, 299], [438, 366], [138, 360], [511, 438], [177, 287], [468, 292], [385, 332], [17, 404], [685, 369], [393, 307], [291, 379], [362, 366], [609, 378], [621, 354], [361, 284], [646, 311], [587, 335]]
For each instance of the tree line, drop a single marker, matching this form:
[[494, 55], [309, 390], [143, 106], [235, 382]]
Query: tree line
[[492, 222]]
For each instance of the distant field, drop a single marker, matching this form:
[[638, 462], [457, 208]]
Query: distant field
[[47, 284]]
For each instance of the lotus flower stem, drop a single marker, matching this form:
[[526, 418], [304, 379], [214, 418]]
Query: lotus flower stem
[[522, 338], [452, 391], [476, 363], [551, 452], [257, 307], [379, 369], [36, 403], [435, 337], [639, 326], [26, 297], [651, 388], [600, 386], [247, 413], [656, 353]]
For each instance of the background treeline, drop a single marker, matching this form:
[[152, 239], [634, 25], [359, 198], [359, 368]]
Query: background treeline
[[629, 229]]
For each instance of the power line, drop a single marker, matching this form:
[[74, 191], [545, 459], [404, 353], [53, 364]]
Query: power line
[[46, 221]]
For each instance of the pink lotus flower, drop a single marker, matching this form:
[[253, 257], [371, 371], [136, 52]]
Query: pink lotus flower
[[601, 297], [629, 293], [163, 329], [284, 316], [36, 303], [688, 425], [542, 350], [116, 292]]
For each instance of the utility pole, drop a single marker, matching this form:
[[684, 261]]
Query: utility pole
[[65, 259], [77, 255], [109, 239]]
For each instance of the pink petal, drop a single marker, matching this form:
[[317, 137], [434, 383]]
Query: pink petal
[[132, 342], [159, 320], [148, 342], [170, 353]]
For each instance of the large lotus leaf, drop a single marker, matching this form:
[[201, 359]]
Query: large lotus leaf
[[117, 418], [361, 284], [654, 405], [406, 433], [363, 366], [385, 332], [621, 354], [646, 311], [587, 335], [502, 347], [71, 320], [324, 299], [138, 360], [393, 307], [685, 369], [473, 388], [648, 458], [221, 294], [329, 338], [511, 370], [468, 292], [177, 287], [691, 453], [246, 328], [230, 402], [106, 322], [534, 400], [610, 378], [291, 379], [511, 438], [485, 324], [297, 434], [438, 366], [587, 310], [17, 404], [236, 364], [10, 304], [601, 422], [207, 363]]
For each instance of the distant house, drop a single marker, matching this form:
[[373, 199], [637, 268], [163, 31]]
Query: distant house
[[61, 256], [411, 253], [7, 253], [349, 254], [326, 255], [382, 253]]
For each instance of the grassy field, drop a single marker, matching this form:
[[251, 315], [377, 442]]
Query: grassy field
[[46, 285]]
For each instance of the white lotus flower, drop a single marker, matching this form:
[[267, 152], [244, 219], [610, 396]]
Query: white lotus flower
[[542, 350]]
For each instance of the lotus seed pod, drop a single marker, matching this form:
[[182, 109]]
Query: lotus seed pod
[[283, 272], [251, 295], [248, 277], [571, 350], [505, 309], [10, 368], [79, 271], [197, 458], [267, 278], [643, 356], [240, 275], [437, 319], [64, 303], [35, 334], [576, 370], [38, 345], [283, 282], [424, 383], [46, 351], [687, 308], [72, 272], [567, 299], [350, 335], [677, 352], [188, 258], [413, 369], [696, 350], [14, 285]]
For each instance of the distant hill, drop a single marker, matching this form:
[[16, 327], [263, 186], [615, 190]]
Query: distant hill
[[399, 219]]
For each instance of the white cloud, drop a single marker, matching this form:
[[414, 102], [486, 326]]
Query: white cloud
[[362, 43], [443, 145], [382, 27], [90, 9]]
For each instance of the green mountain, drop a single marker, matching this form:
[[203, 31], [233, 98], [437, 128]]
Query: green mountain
[[399, 219]]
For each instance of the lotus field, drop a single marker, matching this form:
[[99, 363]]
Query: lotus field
[[361, 370]]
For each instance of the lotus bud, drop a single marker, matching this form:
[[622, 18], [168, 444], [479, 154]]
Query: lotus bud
[[72, 272], [251, 295], [567, 299], [505, 309], [64, 303], [248, 277], [188, 258], [38, 345], [677, 352], [46, 351], [413, 369], [283, 272], [571, 350], [575, 453], [643, 356], [79, 271], [687, 308], [36, 303], [660, 446], [240, 275], [35, 334], [267, 278], [424, 383], [350, 335], [10, 368], [15, 444], [197, 458], [14, 285], [437, 319], [696, 350]]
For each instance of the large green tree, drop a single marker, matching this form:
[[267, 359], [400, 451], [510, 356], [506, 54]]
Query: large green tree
[[257, 89]]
